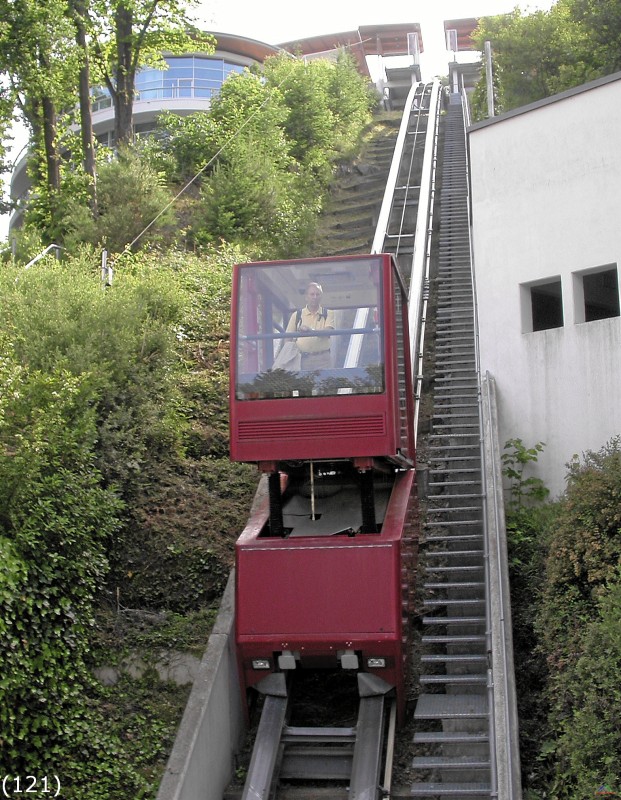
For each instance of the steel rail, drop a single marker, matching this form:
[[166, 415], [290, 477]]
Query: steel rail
[[421, 257], [381, 228], [388, 202], [328, 754]]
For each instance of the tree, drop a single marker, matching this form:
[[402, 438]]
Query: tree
[[327, 106], [128, 34], [37, 62], [133, 202], [601, 21], [78, 12], [539, 54]]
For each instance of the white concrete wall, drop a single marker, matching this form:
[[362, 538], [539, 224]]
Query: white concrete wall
[[546, 203]]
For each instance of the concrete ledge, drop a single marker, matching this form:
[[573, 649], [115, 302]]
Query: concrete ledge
[[201, 762]]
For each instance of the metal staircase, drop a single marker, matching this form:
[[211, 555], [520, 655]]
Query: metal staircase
[[452, 738]]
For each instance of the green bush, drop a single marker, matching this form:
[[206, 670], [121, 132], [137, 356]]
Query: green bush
[[578, 624], [103, 391], [134, 208], [120, 340], [55, 521], [527, 519], [588, 749]]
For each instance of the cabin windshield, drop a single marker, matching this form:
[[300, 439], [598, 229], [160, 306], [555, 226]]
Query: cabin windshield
[[310, 328]]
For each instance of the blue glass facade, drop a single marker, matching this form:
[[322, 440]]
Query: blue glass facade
[[186, 77]]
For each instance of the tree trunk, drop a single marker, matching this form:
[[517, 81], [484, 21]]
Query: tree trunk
[[86, 119], [48, 108], [124, 100]]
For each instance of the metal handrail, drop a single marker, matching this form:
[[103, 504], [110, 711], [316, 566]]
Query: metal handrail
[[505, 700], [41, 255]]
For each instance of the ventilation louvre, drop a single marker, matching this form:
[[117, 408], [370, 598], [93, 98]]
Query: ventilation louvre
[[336, 427]]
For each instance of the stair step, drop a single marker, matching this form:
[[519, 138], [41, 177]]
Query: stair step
[[461, 538], [455, 568], [454, 524], [444, 737], [454, 585], [453, 620], [453, 639], [480, 679], [479, 790], [451, 706], [446, 762], [433, 602], [454, 658]]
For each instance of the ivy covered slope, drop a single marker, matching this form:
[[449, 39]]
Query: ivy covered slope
[[119, 506], [116, 494]]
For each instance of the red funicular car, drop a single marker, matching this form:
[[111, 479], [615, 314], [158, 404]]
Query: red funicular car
[[321, 400]]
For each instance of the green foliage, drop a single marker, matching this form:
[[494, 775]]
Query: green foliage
[[578, 622], [249, 198], [601, 21], [585, 549], [121, 342], [539, 54], [566, 606], [55, 520], [524, 490], [263, 156], [132, 202], [100, 390], [527, 519], [115, 483], [588, 749], [182, 146], [328, 105]]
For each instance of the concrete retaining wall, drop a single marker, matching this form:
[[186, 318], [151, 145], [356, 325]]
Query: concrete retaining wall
[[201, 762]]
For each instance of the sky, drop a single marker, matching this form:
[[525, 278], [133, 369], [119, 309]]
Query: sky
[[274, 21]]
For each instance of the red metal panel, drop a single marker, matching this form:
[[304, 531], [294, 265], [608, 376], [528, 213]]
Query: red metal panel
[[316, 596], [325, 590]]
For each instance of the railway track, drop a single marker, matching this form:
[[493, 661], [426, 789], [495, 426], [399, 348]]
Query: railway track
[[354, 762], [453, 751], [452, 740], [293, 762]]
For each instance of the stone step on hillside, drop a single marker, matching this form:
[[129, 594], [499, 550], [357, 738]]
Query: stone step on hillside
[[347, 224]]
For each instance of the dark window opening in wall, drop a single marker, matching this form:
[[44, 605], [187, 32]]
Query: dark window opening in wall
[[547, 306], [601, 295]]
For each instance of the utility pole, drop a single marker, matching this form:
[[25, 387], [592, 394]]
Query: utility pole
[[489, 79]]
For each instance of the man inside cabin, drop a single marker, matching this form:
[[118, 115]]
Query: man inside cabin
[[315, 350]]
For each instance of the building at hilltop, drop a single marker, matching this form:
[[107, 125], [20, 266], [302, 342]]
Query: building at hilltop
[[190, 81]]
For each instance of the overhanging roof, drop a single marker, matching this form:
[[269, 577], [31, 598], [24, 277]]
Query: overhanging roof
[[367, 40], [240, 46], [465, 28]]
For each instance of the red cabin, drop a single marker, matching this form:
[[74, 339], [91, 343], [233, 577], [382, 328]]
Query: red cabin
[[352, 404]]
